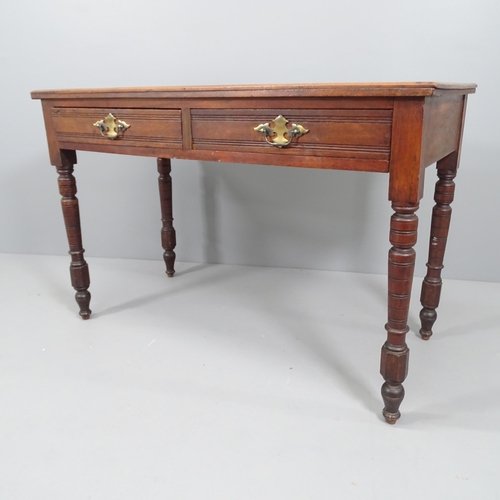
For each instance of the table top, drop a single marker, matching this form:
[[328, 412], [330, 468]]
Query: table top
[[405, 89]]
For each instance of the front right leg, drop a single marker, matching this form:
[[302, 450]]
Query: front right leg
[[79, 269], [395, 352]]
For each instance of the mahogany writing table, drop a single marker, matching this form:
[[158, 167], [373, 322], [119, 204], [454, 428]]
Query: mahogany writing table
[[397, 128]]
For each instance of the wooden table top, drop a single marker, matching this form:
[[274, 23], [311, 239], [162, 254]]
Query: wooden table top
[[407, 89]]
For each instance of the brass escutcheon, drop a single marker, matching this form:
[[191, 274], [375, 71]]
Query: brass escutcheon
[[110, 127], [280, 135]]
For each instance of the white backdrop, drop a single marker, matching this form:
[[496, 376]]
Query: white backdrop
[[255, 215]]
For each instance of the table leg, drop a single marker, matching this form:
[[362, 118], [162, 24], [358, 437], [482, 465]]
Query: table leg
[[441, 216], [79, 269], [395, 352], [167, 232]]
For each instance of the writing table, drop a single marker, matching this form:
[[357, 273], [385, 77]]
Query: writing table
[[396, 128]]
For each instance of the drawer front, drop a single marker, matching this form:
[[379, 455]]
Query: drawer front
[[342, 133], [148, 128]]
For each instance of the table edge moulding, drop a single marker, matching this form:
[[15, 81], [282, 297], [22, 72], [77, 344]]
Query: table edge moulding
[[396, 128]]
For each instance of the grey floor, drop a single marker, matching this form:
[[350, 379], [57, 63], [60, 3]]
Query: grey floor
[[231, 382]]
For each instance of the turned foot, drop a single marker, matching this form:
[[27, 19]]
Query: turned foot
[[169, 258], [83, 300], [394, 368], [393, 396], [427, 317]]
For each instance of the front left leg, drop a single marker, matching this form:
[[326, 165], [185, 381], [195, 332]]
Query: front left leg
[[395, 352], [79, 269]]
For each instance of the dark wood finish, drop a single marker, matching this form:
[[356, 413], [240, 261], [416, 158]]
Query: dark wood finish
[[79, 269], [400, 89], [443, 122], [167, 232], [444, 193], [398, 128], [150, 127], [440, 224], [340, 133], [395, 352]]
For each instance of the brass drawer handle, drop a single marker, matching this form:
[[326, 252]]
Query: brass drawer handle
[[280, 135], [110, 127]]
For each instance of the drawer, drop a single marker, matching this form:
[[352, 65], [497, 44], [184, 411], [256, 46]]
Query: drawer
[[341, 133], [148, 128]]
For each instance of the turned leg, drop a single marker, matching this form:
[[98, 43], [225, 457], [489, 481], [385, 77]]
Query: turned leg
[[167, 231], [79, 269], [395, 352], [441, 215]]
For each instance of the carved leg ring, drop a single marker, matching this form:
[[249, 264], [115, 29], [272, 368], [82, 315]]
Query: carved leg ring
[[441, 216], [167, 232], [395, 352], [79, 269]]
